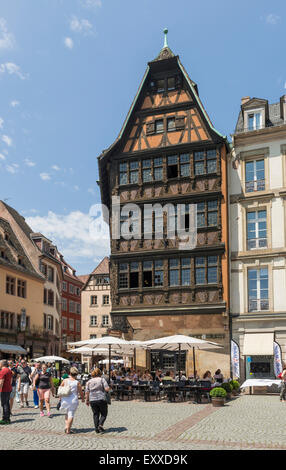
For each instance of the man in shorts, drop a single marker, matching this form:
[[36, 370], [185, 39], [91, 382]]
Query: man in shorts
[[5, 390], [24, 382]]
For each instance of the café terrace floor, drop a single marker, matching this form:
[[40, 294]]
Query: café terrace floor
[[245, 422]]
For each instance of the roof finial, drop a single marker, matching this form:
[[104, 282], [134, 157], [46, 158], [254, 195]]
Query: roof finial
[[165, 39]]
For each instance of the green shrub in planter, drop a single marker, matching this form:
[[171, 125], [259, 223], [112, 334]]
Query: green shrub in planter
[[227, 387], [235, 384], [56, 382], [218, 392]]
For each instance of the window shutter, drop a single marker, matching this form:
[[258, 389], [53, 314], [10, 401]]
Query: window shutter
[[52, 323], [150, 127], [45, 321]]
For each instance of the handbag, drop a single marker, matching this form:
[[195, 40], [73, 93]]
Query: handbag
[[64, 391], [106, 394]]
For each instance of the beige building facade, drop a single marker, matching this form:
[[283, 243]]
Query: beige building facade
[[96, 303], [257, 188]]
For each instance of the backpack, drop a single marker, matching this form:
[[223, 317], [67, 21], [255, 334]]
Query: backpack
[[279, 376]]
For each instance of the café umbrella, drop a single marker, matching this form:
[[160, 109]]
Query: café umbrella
[[117, 344], [181, 343], [52, 359]]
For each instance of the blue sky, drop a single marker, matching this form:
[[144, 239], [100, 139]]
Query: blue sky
[[69, 70]]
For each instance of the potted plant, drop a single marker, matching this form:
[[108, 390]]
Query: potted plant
[[228, 388], [235, 387], [218, 396], [56, 383]]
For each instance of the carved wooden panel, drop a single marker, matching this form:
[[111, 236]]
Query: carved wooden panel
[[201, 297]]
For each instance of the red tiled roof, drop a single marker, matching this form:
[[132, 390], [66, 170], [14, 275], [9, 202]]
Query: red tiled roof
[[83, 278], [103, 267]]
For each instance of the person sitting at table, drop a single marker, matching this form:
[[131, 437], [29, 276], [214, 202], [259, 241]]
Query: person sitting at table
[[167, 377], [207, 376], [218, 377], [158, 376], [134, 376], [147, 375], [181, 379]]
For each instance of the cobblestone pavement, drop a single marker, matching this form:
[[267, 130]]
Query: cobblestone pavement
[[246, 422]]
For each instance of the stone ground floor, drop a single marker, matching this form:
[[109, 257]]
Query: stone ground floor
[[246, 422]]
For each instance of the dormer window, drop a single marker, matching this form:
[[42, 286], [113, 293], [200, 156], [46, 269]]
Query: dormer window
[[254, 121]]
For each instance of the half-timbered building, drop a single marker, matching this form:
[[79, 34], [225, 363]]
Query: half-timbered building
[[168, 151]]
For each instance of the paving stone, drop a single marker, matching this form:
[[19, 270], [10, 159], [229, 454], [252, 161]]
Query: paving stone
[[248, 422]]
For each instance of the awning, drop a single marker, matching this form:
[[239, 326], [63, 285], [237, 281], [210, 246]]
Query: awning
[[12, 348], [258, 344]]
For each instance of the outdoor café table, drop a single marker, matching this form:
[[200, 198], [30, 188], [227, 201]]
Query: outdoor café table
[[145, 387], [170, 389]]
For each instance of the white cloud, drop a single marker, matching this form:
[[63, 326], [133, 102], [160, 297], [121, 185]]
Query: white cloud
[[13, 168], [1, 123], [91, 191], [7, 40], [7, 140], [14, 103], [12, 69], [272, 18], [82, 26], [73, 234], [56, 167], [29, 162], [76, 187], [91, 3], [68, 42], [2, 157], [45, 176]]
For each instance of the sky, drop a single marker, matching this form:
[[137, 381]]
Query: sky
[[69, 70]]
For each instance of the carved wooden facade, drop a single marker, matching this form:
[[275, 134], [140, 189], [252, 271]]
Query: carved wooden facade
[[168, 152]]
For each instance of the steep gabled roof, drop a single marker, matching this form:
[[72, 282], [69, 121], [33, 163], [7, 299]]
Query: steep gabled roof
[[102, 267]]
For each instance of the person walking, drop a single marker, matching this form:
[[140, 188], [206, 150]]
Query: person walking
[[70, 403], [43, 380], [13, 369], [36, 370], [283, 386], [95, 397], [6, 377], [24, 381]]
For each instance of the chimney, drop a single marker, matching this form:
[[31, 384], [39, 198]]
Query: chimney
[[283, 107], [244, 100]]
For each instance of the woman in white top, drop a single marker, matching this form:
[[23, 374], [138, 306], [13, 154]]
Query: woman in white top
[[70, 403]]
